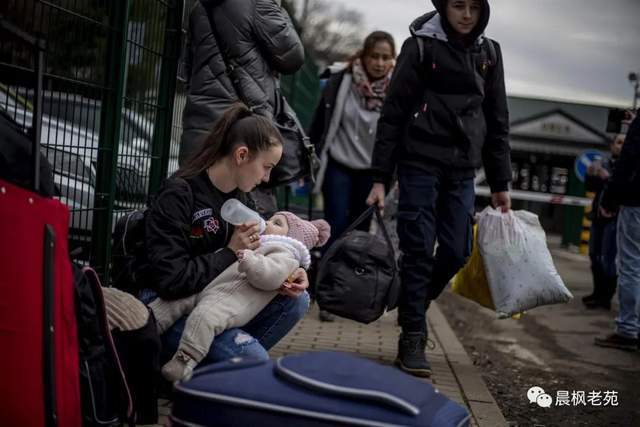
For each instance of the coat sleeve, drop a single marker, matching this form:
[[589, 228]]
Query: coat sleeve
[[277, 37], [267, 271], [593, 183], [175, 272], [403, 94], [626, 170], [496, 153]]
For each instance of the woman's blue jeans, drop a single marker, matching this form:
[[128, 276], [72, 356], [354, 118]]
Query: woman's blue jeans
[[252, 340]]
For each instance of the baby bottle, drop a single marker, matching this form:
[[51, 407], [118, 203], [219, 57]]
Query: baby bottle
[[236, 213]]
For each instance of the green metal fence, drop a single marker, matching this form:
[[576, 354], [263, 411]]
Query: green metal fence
[[302, 90], [108, 103]]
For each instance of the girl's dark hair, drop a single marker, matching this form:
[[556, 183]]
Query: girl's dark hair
[[370, 43], [238, 125]]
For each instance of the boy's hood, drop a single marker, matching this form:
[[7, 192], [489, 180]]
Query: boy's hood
[[435, 25]]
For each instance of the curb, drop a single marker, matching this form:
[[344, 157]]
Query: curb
[[484, 409]]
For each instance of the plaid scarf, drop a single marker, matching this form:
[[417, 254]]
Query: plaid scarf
[[371, 93]]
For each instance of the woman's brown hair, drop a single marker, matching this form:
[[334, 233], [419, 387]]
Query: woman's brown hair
[[237, 125]]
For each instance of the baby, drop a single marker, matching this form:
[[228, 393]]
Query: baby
[[240, 292]]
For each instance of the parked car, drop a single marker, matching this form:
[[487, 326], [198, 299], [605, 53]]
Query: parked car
[[70, 138]]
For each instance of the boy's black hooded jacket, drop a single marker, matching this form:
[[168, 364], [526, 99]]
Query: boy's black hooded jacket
[[447, 113]]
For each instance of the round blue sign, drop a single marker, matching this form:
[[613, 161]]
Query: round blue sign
[[584, 160]]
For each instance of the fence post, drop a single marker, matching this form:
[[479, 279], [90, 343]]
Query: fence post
[[166, 95], [110, 119]]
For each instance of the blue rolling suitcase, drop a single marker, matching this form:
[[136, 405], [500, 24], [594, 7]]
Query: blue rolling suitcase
[[310, 389]]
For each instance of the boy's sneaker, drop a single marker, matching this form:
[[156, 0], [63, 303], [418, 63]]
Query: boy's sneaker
[[180, 367], [618, 341], [411, 354]]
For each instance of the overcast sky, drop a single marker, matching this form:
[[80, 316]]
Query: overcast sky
[[576, 50]]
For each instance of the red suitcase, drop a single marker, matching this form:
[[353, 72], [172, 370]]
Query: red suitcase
[[38, 334]]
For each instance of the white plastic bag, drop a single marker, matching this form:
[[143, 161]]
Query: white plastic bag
[[517, 262]]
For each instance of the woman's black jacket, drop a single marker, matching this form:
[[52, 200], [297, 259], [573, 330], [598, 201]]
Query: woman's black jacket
[[186, 238]]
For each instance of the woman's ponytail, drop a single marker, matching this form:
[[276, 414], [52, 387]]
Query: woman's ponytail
[[237, 124]]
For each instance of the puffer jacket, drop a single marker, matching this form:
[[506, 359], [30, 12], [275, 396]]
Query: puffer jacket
[[258, 40], [446, 109], [623, 189]]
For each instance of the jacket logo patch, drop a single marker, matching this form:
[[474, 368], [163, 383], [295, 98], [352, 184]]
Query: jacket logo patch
[[212, 225], [201, 214], [197, 233]]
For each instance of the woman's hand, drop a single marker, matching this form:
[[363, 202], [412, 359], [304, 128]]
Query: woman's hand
[[245, 236], [296, 285], [376, 196]]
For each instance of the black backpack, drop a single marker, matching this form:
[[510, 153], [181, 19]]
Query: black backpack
[[130, 268], [129, 265], [358, 276]]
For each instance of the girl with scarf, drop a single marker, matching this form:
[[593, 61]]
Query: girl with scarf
[[344, 129]]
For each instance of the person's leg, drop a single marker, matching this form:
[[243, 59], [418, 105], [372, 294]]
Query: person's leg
[[277, 319], [628, 320], [416, 233], [361, 187], [609, 253], [230, 343], [253, 340], [454, 231], [595, 250], [336, 193], [627, 327], [168, 312]]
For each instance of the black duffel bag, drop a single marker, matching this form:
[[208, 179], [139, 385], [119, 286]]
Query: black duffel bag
[[358, 277]]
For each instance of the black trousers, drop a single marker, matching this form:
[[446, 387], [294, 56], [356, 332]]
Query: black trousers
[[429, 208]]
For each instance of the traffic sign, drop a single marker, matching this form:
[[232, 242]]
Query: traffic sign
[[584, 160]]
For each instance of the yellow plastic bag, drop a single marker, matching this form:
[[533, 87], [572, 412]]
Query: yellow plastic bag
[[471, 281]]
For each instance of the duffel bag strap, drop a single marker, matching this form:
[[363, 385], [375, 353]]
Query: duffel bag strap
[[96, 289], [373, 209]]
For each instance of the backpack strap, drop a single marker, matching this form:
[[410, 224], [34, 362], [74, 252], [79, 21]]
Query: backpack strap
[[422, 45], [487, 45], [491, 50], [96, 289]]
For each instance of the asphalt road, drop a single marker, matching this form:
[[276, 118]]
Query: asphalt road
[[552, 347]]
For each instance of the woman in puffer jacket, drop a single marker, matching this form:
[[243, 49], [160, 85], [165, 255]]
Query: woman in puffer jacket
[[256, 36], [255, 39]]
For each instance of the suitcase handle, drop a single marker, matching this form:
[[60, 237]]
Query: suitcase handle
[[228, 365], [345, 392]]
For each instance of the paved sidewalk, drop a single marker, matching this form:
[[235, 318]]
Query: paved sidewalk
[[453, 372]]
